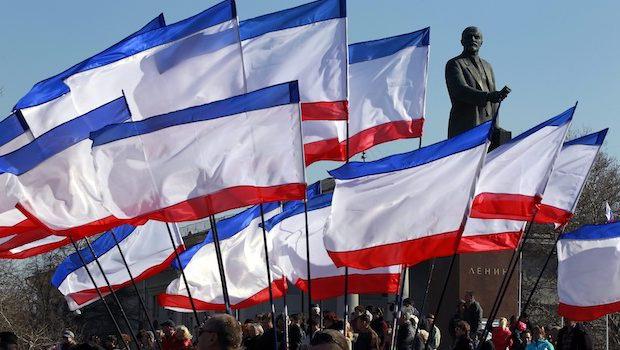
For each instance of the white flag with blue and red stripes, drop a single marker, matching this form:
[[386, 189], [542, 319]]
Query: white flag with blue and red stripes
[[529, 158], [147, 250], [307, 43], [387, 79], [288, 233], [569, 175], [203, 160], [243, 256], [589, 272], [405, 208]]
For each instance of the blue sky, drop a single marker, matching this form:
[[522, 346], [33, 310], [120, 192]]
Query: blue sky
[[551, 53]]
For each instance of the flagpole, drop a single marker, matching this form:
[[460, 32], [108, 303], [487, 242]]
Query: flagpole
[[220, 263], [308, 260], [268, 265], [114, 296], [286, 332], [398, 305], [182, 269], [423, 307], [135, 287], [105, 303]]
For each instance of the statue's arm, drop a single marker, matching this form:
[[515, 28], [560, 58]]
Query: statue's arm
[[460, 90]]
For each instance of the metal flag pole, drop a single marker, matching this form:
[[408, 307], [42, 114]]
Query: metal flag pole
[[286, 332], [114, 296], [105, 303], [398, 305], [268, 266], [308, 260], [220, 263], [182, 269], [135, 287], [423, 306]]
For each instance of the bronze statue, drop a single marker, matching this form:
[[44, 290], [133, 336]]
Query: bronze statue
[[471, 86]]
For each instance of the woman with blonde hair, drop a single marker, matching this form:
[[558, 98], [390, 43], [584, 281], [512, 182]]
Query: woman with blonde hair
[[502, 336], [184, 337]]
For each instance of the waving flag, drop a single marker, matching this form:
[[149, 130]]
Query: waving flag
[[529, 159], [31, 243], [288, 232], [48, 104], [203, 160], [306, 43], [405, 208], [56, 175], [147, 250], [387, 80], [243, 254], [589, 272], [569, 175], [609, 214], [485, 235]]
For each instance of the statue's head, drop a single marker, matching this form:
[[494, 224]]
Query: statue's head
[[471, 39]]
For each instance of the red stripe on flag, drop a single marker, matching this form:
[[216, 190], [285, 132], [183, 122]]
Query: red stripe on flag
[[489, 242], [24, 238], [587, 313], [336, 110], [324, 150], [88, 295], [23, 226], [183, 302], [402, 129], [42, 249], [331, 287], [504, 206], [407, 252], [548, 214]]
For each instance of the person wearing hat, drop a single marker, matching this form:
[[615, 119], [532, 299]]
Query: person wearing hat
[[170, 341], [67, 342]]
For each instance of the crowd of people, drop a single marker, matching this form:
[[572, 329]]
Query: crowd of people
[[366, 329]]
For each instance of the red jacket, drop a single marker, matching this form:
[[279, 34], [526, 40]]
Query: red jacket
[[502, 339]]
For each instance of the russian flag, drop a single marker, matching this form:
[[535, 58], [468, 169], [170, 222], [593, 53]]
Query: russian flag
[[147, 250], [203, 160], [387, 80], [515, 174], [243, 255], [288, 232], [405, 208], [589, 272], [307, 43], [56, 175], [569, 175]]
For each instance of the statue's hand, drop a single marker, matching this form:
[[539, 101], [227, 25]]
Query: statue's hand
[[495, 96], [505, 91]]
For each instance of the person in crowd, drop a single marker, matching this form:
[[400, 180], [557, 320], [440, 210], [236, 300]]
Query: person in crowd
[[170, 341], [481, 343], [458, 316], [159, 335], [405, 332], [110, 343], [573, 337], [552, 334], [184, 338], [473, 312], [463, 339], [94, 340], [269, 332], [296, 332], [380, 326], [8, 341], [315, 310], [502, 336], [252, 333], [367, 338], [328, 339], [146, 340], [539, 341], [434, 334], [314, 325], [220, 332], [421, 340], [67, 341], [517, 328], [331, 321], [408, 303], [525, 338]]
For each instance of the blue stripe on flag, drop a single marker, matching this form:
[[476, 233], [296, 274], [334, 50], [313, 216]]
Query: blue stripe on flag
[[316, 203], [559, 120], [313, 12], [226, 228], [11, 127], [54, 87], [462, 142], [268, 97], [594, 139], [370, 50], [594, 232], [63, 136], [101, 246]]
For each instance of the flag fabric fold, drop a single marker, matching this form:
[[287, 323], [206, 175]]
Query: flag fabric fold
[[529, 158], [589, 272], [192, 163], [31, 243], [243, 255], [305, 43], [288, 232], [147, 250], [392, 196]]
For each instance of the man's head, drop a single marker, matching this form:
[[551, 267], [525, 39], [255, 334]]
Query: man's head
[[462, 328], [68, 337], [471, 39], [280, 322], [364, 321], [168, 327], [430, 318], [265, 321], [220, 332], [316, 309], [328, 339], [8, 341], [469, 297]]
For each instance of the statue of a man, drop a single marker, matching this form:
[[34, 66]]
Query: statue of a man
[[471, 86]]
